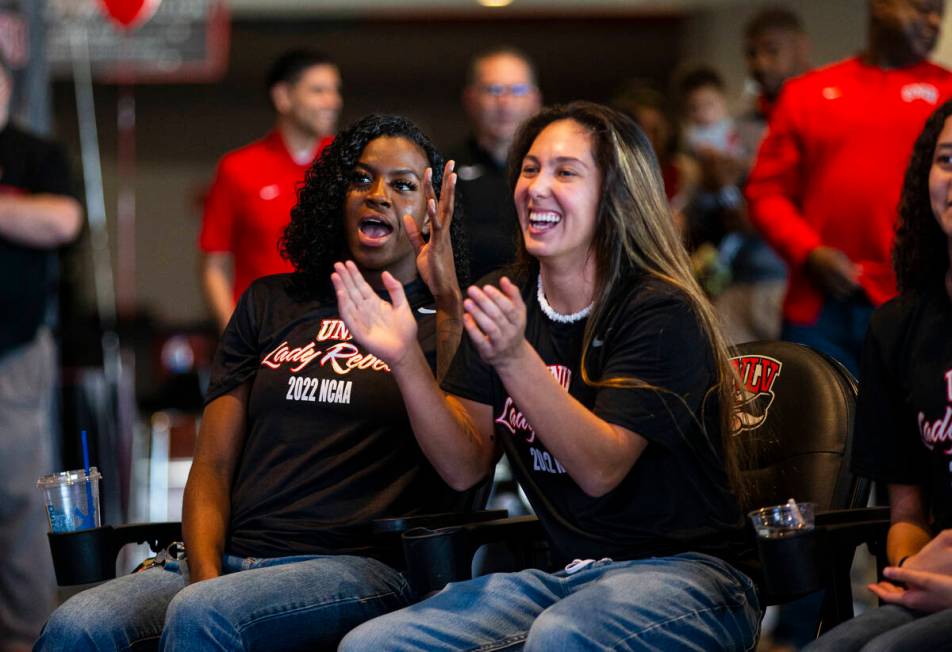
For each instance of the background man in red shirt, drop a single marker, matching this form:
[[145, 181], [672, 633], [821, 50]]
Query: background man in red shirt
[[825, 187], [255, 187]]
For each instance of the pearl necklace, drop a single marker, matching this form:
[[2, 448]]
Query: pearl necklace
[[551, 313]]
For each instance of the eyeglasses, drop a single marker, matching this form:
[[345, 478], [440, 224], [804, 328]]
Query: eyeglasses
[[515, 90]]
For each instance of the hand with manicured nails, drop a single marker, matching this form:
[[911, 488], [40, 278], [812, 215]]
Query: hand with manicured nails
[[495, 319], [435, 256], [388, 330]]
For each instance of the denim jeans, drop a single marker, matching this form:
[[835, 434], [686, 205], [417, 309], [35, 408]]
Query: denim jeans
[[839, 331], [892, 628], [286, 603], [684, 602]]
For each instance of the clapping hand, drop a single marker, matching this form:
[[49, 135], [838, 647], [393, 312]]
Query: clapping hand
[[387, 330], [495, 319], [435, 256]]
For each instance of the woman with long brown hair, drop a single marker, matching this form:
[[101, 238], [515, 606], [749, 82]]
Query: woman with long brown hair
[[598, 368]]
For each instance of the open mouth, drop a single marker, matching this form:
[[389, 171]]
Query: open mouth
[[543, 221], [374, 231]]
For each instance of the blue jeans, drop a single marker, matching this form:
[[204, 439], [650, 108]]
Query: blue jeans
[[684, 602], [286, 603], [839, 331], [892, 628]]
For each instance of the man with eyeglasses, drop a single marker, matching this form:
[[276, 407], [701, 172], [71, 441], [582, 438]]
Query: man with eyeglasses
[[501, 93]]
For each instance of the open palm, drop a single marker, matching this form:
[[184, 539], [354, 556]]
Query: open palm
[[387, 330]]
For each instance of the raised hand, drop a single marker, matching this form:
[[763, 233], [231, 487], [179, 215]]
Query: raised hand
[[435, 257], [495, 319], [388, 330]]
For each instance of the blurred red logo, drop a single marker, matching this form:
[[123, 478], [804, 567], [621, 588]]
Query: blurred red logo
[[130, 14]]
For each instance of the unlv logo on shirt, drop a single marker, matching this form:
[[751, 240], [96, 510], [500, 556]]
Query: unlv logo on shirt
[[938, 432], [757, 374], [921, 91], [512, 418]]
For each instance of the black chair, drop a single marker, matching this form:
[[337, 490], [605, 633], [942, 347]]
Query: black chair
[[89, 556], [797, 409]]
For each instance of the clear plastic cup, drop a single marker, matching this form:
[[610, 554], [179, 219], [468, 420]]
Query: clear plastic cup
[[781, 521], [72, 500]]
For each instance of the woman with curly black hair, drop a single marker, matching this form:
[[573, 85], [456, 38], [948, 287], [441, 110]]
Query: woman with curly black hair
[[304, 439], [904, 416]]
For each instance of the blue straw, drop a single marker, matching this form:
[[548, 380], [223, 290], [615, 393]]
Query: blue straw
[[89, 521]]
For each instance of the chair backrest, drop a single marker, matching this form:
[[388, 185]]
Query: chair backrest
[[797, 413]]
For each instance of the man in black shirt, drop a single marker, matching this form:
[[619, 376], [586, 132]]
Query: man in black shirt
[[501, 93], [37, 216]]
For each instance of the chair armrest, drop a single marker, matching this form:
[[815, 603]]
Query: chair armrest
[[398, 525], [435, 557], [89, 556]]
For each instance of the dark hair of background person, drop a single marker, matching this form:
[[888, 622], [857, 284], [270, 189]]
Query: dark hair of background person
[[699, 77], [638, 94], [315, 239], [773, 18], [634, 234], [289, 67], [921, 250], [498, 51]]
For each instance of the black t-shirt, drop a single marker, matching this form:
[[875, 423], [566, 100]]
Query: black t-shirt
[[903, 431], [488, 211], [675, 498], [328, 445], [28, 165]]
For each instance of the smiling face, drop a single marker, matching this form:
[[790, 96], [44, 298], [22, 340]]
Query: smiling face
[[311, 103], [940, 180], [557, 194], [913, 23], [386, 184]]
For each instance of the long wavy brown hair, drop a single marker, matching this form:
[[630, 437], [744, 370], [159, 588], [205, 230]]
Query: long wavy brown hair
[[635, 234]]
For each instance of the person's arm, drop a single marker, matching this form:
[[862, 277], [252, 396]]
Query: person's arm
[[456, 435], [206, 507], [909, 525], [596, 454], [217, 284], [773, 193], [42, 221]]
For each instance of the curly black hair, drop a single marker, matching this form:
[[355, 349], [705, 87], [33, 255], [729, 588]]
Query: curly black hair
[[315, 239], [921, 250]]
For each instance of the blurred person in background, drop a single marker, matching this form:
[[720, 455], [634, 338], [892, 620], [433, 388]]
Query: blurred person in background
[[255, 187], [38, 215], [711, 138], [501, 93], [751, 303], [650, 109], [826, 183]]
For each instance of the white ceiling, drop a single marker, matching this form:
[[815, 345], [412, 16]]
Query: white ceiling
[[362, 7]]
